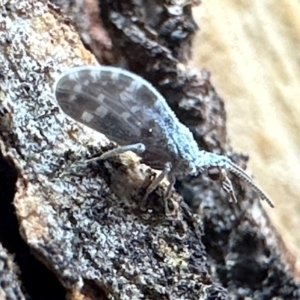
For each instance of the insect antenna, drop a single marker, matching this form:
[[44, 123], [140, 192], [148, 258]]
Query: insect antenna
[[239, 172], [217, 167]]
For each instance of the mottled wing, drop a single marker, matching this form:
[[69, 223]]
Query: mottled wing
[[121, 105]]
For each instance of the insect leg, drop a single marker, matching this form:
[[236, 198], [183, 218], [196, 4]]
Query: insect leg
[[172, 180], [138, 148], [156, 181], [228, 188]]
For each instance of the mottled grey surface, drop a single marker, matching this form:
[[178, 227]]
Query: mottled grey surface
[[10, 286]]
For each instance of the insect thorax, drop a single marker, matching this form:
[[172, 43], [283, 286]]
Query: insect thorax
[[179, 148]]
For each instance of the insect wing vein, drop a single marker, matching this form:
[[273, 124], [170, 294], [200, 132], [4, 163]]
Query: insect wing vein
[[115, 102]]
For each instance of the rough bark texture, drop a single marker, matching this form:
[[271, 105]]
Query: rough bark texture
[[85, 224], [10, 287]]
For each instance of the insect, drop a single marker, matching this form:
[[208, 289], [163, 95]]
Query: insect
[[131, 112]]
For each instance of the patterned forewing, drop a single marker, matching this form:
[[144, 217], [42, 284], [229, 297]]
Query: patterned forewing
[[117, 103]]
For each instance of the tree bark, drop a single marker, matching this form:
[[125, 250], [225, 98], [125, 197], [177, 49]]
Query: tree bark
[[85, 224]]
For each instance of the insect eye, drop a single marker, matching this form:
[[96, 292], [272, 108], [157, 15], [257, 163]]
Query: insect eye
[[216, 173]]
